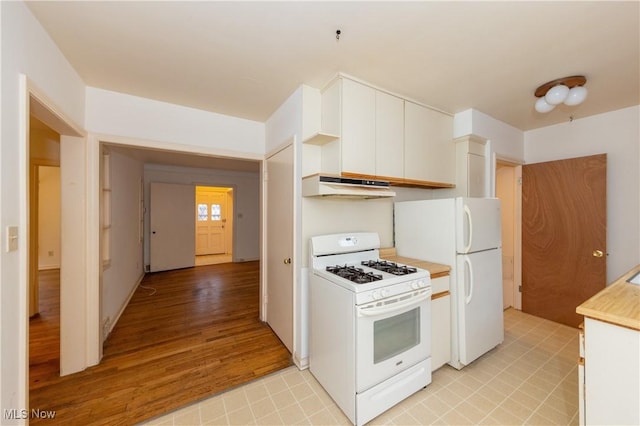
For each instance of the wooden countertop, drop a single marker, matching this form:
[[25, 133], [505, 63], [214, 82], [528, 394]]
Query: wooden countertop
[[618, 303], [435, 269]]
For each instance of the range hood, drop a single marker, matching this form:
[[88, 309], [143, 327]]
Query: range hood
[[342, 187]]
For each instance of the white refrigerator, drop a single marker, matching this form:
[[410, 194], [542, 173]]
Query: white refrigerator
[[464, 233]]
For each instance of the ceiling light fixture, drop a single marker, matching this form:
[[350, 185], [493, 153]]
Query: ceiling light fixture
[[567, 90]]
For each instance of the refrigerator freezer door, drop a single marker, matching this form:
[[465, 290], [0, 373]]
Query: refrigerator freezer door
[[480, 320], [478, 224], [426, 230]]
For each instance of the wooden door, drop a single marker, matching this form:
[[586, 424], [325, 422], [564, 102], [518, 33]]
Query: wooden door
[[280, 225], [172, 240], [211, 211], [564, 217]]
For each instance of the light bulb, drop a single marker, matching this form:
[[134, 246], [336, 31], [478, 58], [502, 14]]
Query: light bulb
[[557, 94], [576, 96], [542, 105]]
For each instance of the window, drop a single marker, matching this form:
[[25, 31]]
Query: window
[[202, 212], [215, 212]]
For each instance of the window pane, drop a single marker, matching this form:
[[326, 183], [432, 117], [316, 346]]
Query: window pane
[[215, 212], [202, 212]]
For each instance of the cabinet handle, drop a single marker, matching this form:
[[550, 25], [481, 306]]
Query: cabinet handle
[[287, 261], [597, 253]]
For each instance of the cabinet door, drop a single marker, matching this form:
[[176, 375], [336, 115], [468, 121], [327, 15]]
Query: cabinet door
[[441, 158], [358, 128], [429, 151], [440, 331], [415, 141], [389, 136]]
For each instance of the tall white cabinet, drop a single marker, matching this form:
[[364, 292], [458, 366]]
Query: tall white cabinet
[[470, 166]]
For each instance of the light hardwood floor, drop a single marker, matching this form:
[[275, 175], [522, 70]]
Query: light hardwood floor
[[197, 335]]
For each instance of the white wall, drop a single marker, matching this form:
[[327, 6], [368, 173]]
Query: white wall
[[48, 217], [120, 278], [246, 192], [112, 113], [25, 48], [616, 134], [330, 216]]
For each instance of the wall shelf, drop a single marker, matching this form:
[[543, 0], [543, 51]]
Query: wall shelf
[[320, 138]]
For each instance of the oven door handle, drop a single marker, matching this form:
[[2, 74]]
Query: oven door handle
[[373, 312]]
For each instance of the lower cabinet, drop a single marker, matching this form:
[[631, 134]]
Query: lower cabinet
[[440, 322], [611, 372]]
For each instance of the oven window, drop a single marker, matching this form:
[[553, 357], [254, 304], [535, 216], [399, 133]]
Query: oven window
[[394, 335]]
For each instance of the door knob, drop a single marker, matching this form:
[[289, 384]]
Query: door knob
[[287, 261], [597, 253]]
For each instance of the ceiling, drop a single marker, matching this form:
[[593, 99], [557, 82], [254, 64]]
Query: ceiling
[[173, 158], [245, 58]]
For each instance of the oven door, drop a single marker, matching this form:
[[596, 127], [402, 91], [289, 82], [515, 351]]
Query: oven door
[[392, 335]]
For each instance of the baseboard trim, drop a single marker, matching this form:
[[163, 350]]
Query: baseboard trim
[[48, 268], [124, 306], [302, 364]]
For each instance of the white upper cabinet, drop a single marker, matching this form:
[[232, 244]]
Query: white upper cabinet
[[429, 151], [358, 128], [379, 135], [389, 135]]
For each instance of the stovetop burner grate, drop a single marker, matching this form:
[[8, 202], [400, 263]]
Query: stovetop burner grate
[[389, 267], [353, 274]]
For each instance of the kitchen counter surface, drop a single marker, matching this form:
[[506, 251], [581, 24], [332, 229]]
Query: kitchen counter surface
[[618, 303], [435, 269]]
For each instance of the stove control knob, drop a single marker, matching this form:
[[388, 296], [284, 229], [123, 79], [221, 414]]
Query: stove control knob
[[415, 285], [376, 295], [384, 292]]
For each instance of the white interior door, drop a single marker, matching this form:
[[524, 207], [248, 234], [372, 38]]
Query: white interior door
[[172, 239], [279, 246]]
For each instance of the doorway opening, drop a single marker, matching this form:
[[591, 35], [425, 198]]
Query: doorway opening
[[508, 190], [214, 225], [44, 251]]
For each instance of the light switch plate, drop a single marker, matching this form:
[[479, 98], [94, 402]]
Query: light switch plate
[[12, 238]]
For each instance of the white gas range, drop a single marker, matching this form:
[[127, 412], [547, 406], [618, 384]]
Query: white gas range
[[370, 325]]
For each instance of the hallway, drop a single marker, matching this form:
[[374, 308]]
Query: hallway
[[196, 335]]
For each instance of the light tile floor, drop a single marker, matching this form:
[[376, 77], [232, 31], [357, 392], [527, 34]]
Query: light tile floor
[[530, 379]]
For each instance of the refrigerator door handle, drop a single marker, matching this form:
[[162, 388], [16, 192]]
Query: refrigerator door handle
[[470, 295], [467, 213]]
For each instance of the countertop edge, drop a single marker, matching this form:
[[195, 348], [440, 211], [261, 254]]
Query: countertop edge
[[603, 306]]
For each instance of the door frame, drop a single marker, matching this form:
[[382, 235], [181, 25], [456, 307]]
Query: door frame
[[34, 101], [517, 220]]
